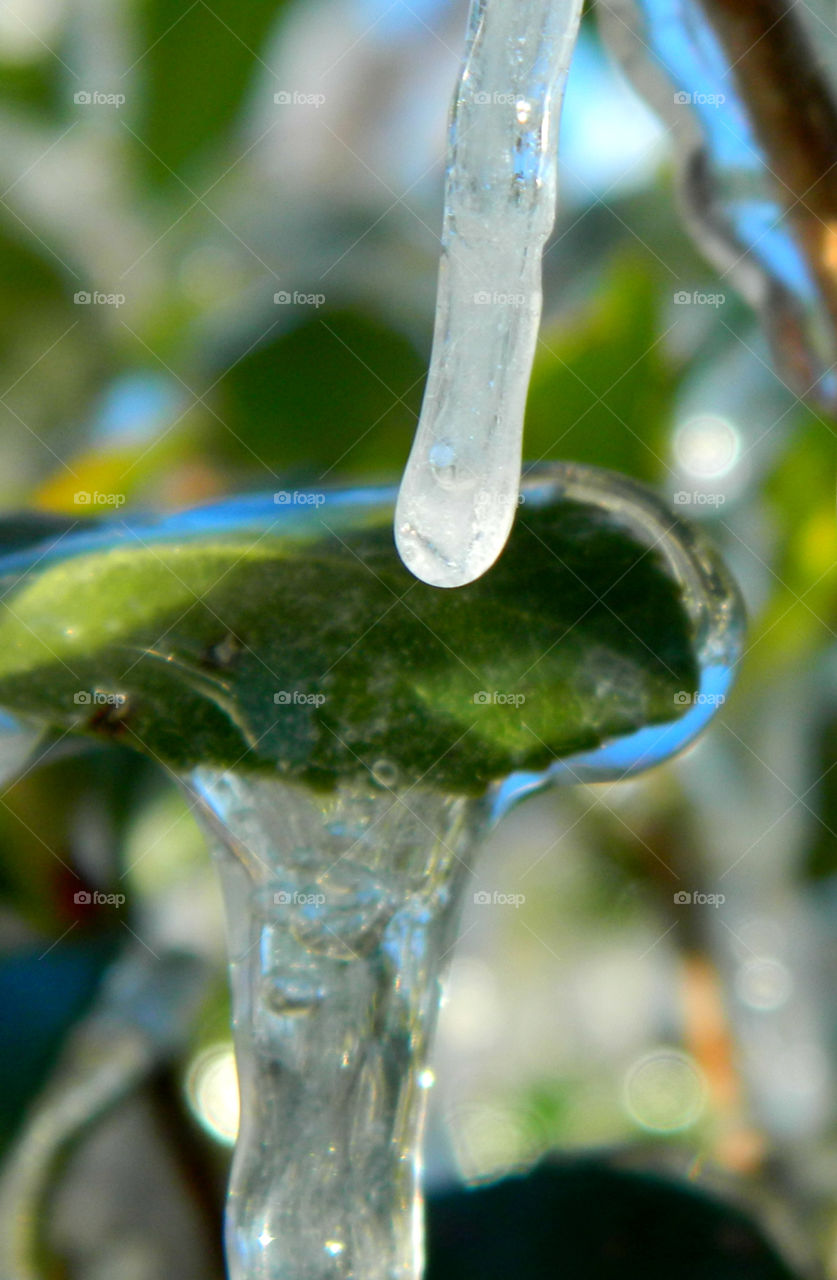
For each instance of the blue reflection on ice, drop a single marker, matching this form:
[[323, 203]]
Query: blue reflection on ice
[[623, 757]]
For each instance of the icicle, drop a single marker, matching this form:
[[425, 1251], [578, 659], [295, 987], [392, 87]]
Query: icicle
[[460, 488], [754, 118]]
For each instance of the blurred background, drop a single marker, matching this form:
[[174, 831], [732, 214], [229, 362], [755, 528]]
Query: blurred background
[[218, 246]]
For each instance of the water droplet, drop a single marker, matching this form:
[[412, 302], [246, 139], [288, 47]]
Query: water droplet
[[442, 457]]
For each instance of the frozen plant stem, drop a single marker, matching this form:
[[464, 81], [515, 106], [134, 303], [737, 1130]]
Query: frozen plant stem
[[341, 911], [459, 492]]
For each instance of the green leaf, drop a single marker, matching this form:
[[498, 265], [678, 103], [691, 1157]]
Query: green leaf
[[313, 651], [51, 354], [602, 388], [197, 63], [342, 367]]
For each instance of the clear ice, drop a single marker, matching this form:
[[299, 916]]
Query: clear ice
[[341, 914], [459, 493], [342, 911], [749, 94], [342, 905]]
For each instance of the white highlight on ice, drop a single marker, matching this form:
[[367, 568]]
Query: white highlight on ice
[[460, 487]]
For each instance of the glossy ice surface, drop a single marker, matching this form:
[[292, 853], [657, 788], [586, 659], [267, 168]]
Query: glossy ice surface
[[748, 91], [459, 493], [342, 901], [270, 638]]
